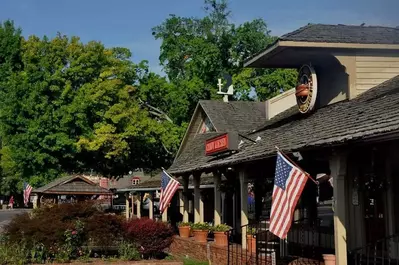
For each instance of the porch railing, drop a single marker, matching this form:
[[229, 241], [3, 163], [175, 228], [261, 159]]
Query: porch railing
[[306, 241], [384, 251]]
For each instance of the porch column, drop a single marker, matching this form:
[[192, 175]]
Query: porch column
[[138, 205], [165, 215], [197, 198], [185, 198], [132, 199], [338, 172], [217, 211], [244, 206], [223, 195], [150, 206], [181, 202], [127, 210]]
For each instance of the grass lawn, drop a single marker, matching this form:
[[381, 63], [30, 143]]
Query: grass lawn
[[194, 262]]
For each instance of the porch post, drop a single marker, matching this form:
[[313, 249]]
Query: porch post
[[185, 198], [338, 172], [138, 204], [197, 198], [132, 199], [223, 195], [151, 206], [127, 205], [181, 202], [244, 206], [217, 211], [165, 215]]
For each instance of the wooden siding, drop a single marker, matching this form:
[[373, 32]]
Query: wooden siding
[[373, 70]]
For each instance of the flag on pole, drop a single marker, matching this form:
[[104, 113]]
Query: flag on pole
[[27, 190], [169, 187], [289, 182]]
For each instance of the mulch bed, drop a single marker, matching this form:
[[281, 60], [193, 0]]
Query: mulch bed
[[120, 262]]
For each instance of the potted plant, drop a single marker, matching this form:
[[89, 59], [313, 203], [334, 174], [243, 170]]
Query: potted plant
[[251, 240], [221, 234], [184, 229], [329, 259], [200, 231]]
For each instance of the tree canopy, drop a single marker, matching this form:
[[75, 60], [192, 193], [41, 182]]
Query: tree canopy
[[68, 106]]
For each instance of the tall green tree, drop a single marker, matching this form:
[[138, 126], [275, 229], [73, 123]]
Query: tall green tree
[[71, 107], [206, 48]]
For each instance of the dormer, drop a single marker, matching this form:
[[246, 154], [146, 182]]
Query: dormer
[[339, 61]]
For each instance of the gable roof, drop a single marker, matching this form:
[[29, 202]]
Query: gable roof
[[344, 34], [323, 36], [155, 183], [234, 115], [72, 185], [239, 116], [374, 113]]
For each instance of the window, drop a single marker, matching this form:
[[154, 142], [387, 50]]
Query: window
[[135, 181], [206, 126]]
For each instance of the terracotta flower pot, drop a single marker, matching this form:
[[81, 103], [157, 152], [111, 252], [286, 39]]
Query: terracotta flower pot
[[302, 90], [184, 231], [221, 238], [251, 243], [329, 259], [201, 235]]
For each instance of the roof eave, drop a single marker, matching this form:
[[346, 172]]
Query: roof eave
[[274, 49]]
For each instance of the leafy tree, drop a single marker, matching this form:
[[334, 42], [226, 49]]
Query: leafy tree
[[205, 48], [72, 107]]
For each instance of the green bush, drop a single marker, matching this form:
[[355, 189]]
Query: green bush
[[128, 251], [13, 254]]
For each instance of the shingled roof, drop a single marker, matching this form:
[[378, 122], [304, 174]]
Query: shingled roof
[[234, 115], [322, 33], [372, 114], [72, 185], [344, 34], [155, 183]]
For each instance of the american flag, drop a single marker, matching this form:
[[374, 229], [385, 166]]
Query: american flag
[[289, 182], [27, 190], [168, 188]]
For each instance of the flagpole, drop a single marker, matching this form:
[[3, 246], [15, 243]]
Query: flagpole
[[289, 159]]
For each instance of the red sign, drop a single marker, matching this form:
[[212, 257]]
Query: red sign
[[217, 144]]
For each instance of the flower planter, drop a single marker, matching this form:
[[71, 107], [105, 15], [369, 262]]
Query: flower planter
[[221, 238], [184, 231], [200, 235], [251, 243], [329, 259], [302, 90]]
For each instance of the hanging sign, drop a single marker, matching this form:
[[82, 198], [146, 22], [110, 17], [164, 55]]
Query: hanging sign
[[223, 143], [306, 89]]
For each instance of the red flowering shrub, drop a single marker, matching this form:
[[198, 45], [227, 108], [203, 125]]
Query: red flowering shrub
[[104, 229], [151, 237]]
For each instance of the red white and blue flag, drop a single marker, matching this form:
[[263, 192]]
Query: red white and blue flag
[[27, 190], [169, 186], [289, 182]]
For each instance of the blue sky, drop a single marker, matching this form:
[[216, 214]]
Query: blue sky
[[128, 23]]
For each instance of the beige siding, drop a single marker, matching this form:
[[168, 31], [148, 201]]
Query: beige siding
[[373, 70]]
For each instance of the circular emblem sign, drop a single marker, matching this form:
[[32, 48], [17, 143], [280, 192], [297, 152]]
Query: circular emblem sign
[[306, 90]]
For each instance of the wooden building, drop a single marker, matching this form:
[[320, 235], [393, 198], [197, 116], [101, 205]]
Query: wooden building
[[341, 120], [70, 189]]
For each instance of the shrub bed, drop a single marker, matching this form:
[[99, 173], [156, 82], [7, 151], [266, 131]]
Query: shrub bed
[[68, 231]]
